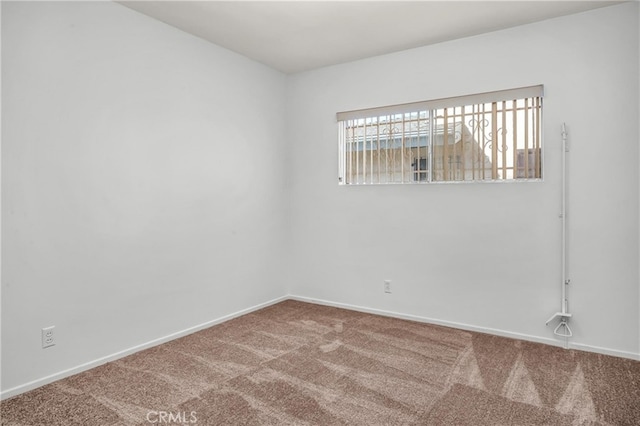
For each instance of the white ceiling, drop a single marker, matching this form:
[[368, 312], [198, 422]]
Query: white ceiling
[[293, 36]]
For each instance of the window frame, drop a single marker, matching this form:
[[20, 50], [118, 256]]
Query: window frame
[[431, 108]]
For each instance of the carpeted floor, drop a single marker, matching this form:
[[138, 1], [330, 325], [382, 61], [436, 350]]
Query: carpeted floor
[[304, 364]]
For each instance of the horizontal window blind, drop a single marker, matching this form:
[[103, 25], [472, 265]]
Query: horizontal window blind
[[487, 136], [496, 96]]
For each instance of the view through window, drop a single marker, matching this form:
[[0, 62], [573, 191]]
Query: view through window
[[492, 136]]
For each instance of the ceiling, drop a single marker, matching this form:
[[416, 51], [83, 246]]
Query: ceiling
[[294, 36]]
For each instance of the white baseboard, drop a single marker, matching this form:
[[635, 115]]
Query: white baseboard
[[462, 326], [604, 351], [121, 354], [95, 363]]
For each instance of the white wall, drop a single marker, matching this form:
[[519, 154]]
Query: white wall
[[152, 182], [347, 240], [142, 183], [638, 120]]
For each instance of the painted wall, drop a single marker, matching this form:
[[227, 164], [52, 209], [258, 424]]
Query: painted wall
[[506, 278], [152, 182], [142, 183]]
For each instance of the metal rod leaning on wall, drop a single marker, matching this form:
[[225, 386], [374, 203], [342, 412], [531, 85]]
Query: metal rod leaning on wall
[[563, 329]]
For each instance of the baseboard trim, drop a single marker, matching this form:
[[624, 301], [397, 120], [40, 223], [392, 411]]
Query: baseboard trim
[[121, 354], [468, 327], [604, 351]]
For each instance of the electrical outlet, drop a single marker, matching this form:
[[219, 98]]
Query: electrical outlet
[[48, 337], [387, 286]]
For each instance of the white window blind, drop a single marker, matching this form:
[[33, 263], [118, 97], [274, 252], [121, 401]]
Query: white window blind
[[482, 137]]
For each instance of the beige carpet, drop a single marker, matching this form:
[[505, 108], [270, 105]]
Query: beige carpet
[[301, 364]]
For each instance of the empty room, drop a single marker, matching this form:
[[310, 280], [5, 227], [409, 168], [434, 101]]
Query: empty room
[[320, 213]]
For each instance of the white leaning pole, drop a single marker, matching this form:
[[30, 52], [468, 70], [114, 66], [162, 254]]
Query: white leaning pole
[[563, 329]]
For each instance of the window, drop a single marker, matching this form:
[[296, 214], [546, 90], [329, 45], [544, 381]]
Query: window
[[420, 169], [492, 136]]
